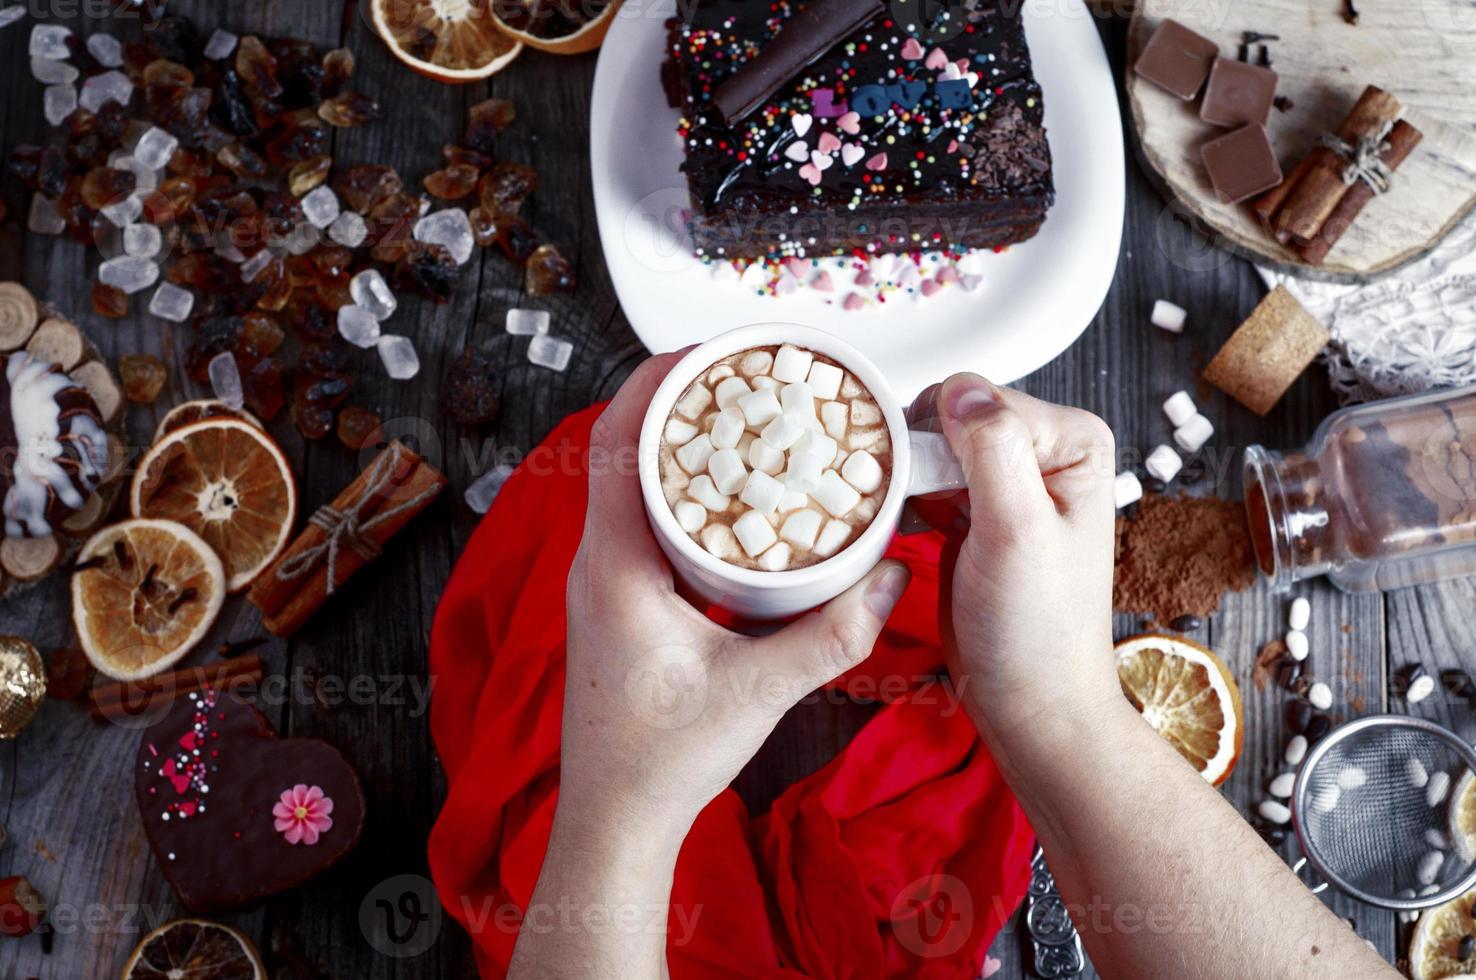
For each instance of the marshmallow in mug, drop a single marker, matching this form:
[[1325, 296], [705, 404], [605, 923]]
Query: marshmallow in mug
[[775, 458]]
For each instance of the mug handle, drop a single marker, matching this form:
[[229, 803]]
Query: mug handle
[[934, 467]]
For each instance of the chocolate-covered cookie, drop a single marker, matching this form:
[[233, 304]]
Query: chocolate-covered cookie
[[53, 448], [234, 813]]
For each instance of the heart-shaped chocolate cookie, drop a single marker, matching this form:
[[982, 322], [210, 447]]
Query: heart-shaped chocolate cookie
[[233, 812]]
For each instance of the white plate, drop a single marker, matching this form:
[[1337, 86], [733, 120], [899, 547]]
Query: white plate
[[1036, 299]]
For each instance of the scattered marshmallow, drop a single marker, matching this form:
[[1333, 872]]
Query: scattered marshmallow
[[760, 407], [1193, 434], [764, 457], [1127, 489], [1429, 867], [782, 431], [690, 515], [825, 380], [728, 428], [1437, 788], [719, 541], [862, 471], [1296, 750], [1179, 408], [1281, 787], [832, 536], [694, 402], [836, 495], [705, 492], [792, 364], [793, 500], [1297, 644], [801, 528], [1300, 613], [776, 559], [729, 390], [1168, 316], [727, 470], [803, 473], [1420, 688], [679, 432], [864, 413], [694, 455], [754, 533], [835, 417], [1274, 812], [1163, 463], [1415, 772], [762, 492], [798, 399]]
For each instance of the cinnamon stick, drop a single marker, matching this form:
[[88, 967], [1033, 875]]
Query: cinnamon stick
[[130, 698], [1402, 140], [1321, 187], [1266, 206], [297, 584]]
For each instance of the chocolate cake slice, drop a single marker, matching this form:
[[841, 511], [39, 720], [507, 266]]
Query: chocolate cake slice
[[898, 138]]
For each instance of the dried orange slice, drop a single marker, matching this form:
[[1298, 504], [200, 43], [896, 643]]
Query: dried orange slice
[[229, 482], [1189, 697], [557, 26], [1434, 949], [194, 948], [199, 410], [449, 40], [143, 595]]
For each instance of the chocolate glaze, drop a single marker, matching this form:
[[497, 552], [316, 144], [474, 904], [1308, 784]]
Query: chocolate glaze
[[987, 165], [219, 847]]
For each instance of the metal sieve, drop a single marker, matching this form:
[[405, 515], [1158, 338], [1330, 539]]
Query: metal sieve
[[1366, 822]]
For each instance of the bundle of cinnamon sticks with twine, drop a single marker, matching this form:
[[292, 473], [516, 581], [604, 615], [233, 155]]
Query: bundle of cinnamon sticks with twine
[[344, 536], [1317, 203]]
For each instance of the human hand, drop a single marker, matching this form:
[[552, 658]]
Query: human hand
[[1026, 578], [662, 706]]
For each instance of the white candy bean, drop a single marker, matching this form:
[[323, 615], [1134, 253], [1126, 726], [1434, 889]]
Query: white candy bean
[[1300, 613]]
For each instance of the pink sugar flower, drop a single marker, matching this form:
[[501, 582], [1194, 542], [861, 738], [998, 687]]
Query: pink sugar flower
[[302, 814]]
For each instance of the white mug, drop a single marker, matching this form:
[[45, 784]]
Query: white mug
[[922, 463]]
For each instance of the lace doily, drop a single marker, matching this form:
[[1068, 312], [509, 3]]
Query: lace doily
[[1413, 330]]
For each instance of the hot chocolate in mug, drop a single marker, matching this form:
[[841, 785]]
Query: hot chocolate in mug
[[919, 463]]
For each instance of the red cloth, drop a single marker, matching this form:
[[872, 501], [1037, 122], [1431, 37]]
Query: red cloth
[[903, 856]]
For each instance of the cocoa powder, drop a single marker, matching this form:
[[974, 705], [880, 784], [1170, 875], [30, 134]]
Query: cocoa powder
[[1178, 555]]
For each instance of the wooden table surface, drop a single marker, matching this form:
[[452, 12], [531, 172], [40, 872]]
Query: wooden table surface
[[65, 787]]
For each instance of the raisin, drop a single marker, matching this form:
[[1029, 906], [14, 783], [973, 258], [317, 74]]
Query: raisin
[[470, 397]]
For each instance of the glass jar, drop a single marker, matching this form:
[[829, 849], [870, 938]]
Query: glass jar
[[1383, 496]]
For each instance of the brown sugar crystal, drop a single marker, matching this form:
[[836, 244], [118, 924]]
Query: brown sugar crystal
[[1267, 352], [1179, 555]]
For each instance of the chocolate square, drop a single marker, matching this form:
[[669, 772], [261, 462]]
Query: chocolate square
[[1241, 163], [1267, 352], [1238, 93], [1177, 59]]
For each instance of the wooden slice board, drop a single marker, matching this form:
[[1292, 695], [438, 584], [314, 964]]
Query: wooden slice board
[[1421, 51]]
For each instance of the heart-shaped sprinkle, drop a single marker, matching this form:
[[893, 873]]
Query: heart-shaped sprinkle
[[850, 123], [953, 146], [908, 276], [828, 143], [852, 152], [798, 151], [972, 78], [937, 60], [991, 967], [798, 268], [821, 161], [864, 278], [963, 64], [912, 49], [930, 287], [972, 283], [801, 121], [822, 282], [948, 274], [878, 162], [952, 72], [853, 302], [786, 285], [811, 173]]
